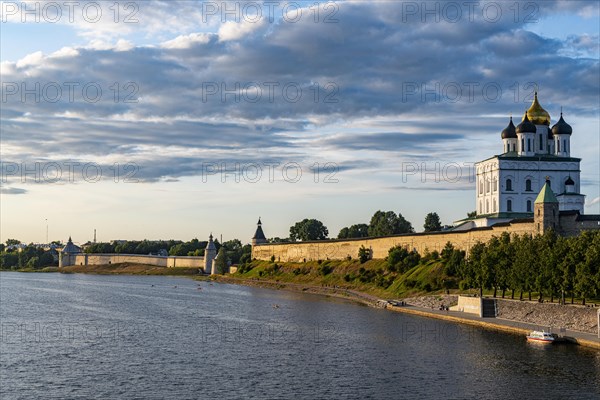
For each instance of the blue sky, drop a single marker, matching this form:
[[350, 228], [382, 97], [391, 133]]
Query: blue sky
[[183, 89]]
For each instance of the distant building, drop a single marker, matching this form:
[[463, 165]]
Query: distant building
[[210, 253], [534, 155]]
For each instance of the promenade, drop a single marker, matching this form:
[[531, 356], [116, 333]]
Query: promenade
[[500, 324]]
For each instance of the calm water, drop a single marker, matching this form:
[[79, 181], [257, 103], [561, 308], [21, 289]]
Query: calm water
[[86, 336]]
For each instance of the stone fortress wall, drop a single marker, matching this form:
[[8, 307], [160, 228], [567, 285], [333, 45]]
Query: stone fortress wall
[[105, 259], [341, 249]]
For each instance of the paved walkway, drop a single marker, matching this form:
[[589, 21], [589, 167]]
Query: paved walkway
[[586, 339]]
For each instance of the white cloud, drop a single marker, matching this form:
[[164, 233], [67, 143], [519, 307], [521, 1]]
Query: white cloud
[[31, 60], [231, 30], [186, 41]]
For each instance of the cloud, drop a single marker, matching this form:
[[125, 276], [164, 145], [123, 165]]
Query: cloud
[[12, 190], [231, 30], [593, 201], [365, 87]]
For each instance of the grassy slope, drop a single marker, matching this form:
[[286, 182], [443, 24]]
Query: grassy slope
[[381, 284]]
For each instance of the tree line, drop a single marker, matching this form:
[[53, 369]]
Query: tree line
[[548, 265], [32, 256], [382, 223]]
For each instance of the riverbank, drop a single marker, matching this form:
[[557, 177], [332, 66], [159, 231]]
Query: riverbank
[[518, 317], [126, 269], [515, 317]]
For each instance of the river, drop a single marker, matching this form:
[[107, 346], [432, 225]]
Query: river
[[67, 336]]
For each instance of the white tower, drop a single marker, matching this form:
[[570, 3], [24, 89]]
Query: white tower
[[210, 253], [526, 131]]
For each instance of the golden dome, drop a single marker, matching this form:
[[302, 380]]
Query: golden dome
[[537, 114]]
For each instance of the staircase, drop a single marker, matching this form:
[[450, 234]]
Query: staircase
[[490, 308]]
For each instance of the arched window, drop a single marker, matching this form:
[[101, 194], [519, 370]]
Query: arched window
[[557, 145], [480, 187], [528, 185], [509, 205], [528, 205], [541, 142], [509, 184], [494, 205], [528, 144]]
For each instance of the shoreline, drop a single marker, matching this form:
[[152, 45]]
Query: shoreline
[[497, 324]]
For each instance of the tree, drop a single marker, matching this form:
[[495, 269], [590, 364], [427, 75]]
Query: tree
[[478, 272], [401, 260], [364, 254], [354, 231], [221, 264], [385, 223], [308, 229], [12, 242], [472, 214], [432, 222]]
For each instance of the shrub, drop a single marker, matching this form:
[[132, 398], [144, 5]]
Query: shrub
[[325, 269], [364, 254]]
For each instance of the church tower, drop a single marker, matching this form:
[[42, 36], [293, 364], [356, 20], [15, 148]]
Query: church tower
[[546, 210], [259, 236]]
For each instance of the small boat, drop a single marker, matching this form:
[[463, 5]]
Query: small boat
[[541, 337]]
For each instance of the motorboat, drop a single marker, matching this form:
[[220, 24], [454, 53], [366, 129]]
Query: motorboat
[[541, 337]]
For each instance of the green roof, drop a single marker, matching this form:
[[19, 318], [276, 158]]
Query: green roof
[[546, 195]]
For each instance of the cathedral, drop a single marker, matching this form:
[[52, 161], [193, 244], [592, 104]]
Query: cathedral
[[533, 154]]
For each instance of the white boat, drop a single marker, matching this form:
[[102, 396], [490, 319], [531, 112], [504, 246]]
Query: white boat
[[541, 337]]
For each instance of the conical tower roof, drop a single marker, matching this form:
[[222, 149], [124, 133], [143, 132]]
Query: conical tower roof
[[259, 234], [546, 195]]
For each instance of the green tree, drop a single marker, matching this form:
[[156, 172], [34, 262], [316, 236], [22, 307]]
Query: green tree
[[33, 262], [12, 242], [354, 231], [308, 229], [432, 222], [505, 262], [9, 260], [364, 254], [477, 268], [234, 250], [586, 270], [472, 214], [453, 259], [221, 262], [385, 223]]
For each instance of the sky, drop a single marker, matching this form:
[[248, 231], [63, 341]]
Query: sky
[[175, 119]]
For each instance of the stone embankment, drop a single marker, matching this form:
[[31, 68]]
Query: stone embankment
[[571, 317], [546, 315]]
